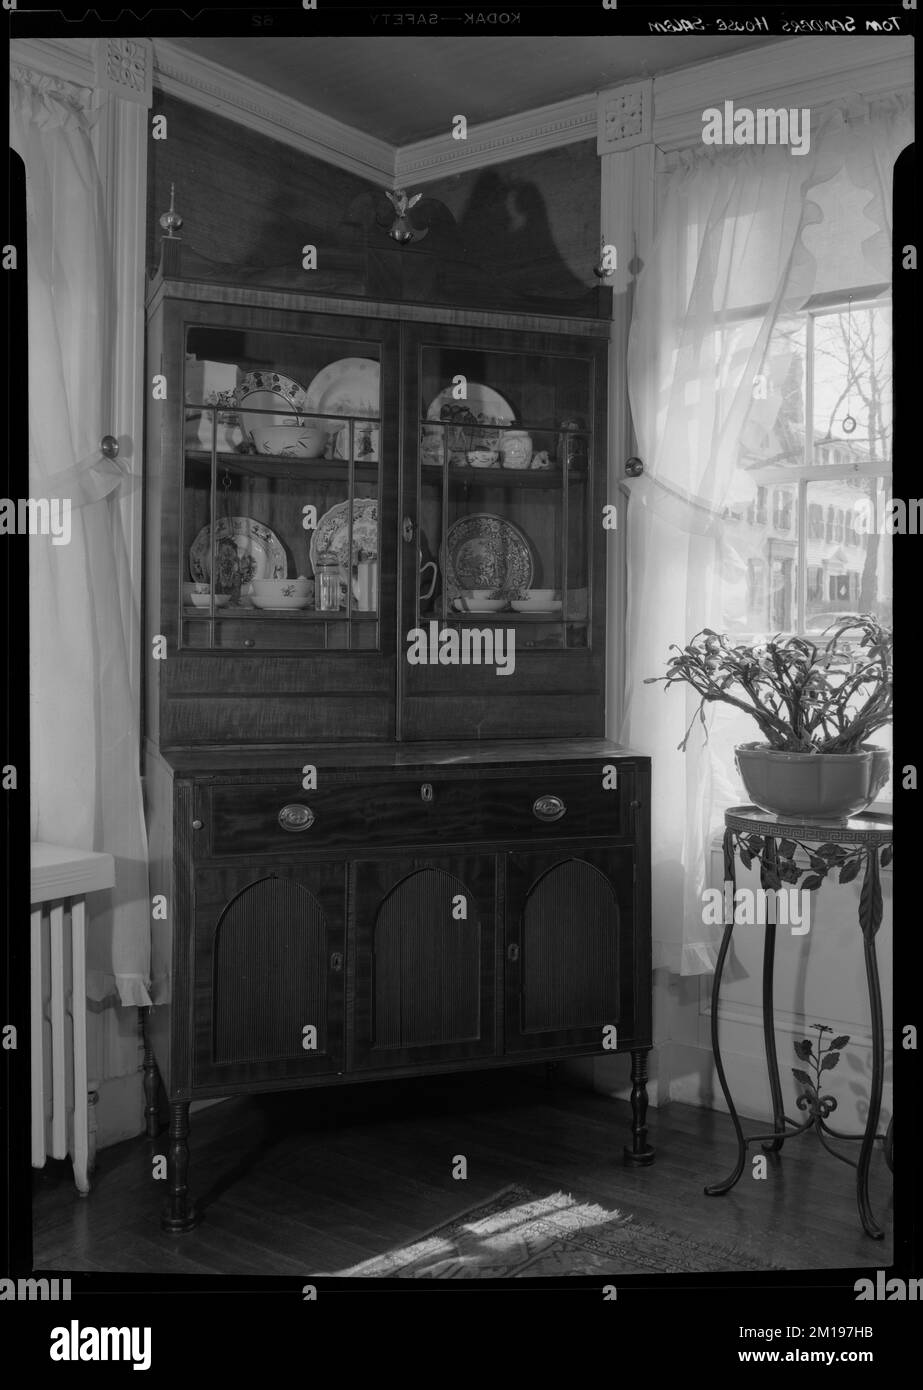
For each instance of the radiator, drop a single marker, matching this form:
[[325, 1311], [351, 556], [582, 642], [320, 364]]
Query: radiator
[[60, 1092]]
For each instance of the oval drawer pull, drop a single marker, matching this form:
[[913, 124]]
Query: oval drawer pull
[[548, 808], [295, 817]]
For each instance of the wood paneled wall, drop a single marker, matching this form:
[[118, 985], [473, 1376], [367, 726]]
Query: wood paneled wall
[[518, 235]]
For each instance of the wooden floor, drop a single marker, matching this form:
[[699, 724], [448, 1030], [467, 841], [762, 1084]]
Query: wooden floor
[[308, 1181]]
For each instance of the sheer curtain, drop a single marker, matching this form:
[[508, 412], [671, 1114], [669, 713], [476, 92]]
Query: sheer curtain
[[744, 236], [86, 790]]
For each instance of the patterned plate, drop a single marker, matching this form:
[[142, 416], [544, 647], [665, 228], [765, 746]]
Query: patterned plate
[[486, 552], [245, 549], [333, 533]]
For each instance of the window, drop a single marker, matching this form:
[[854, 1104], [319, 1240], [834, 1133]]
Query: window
[[817, 447]]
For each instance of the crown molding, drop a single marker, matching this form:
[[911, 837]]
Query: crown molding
[[809, 71], [494, 142], [250, 104], [71, 60]]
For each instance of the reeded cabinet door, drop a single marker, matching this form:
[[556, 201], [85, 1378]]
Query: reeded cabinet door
[[268, 964], [570, 948], [424, 961]]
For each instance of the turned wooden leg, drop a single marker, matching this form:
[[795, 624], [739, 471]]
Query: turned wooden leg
[[641, 1151], [551, 1069], [151, 1080], [179, 1212]]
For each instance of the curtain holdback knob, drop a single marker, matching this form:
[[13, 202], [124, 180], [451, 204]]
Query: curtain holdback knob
[[109, 446], [634, 467]]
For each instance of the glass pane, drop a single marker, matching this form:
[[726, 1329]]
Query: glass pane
[[760, 557], [852, 386], [281, 541], [505, 449], [848, 558]]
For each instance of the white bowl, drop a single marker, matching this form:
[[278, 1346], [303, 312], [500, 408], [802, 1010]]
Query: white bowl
[[519, 605], [482, 458], [290, 440], [541, 596], [279, 589], [470, 603], [205, 600], [277, 603]]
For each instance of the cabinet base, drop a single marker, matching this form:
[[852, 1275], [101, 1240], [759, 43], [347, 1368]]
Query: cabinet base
[[177, 1225]]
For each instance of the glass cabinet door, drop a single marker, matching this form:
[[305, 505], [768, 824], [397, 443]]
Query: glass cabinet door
[[506, 443], [284, 451]]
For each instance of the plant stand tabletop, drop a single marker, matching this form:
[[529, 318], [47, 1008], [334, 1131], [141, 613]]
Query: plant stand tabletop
[[844, 849]]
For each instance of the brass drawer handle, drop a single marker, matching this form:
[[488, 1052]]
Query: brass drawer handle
[[548, 808], [294, 817]]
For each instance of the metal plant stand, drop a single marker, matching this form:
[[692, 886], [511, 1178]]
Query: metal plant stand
[[866, 837]]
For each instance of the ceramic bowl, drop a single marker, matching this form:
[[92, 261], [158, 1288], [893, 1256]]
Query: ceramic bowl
[[478, 601], [275, 590], [290, 440], [205, 600], [482, 458], [278, 602], [520, 605]]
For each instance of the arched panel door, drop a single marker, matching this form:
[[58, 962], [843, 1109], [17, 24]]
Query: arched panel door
[[269, 969], [424, 961], [569, 967]]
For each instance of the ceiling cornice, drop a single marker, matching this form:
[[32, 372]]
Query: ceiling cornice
[[807, 72], [493, 142], [214, 88], [800, 72], [72, 60]]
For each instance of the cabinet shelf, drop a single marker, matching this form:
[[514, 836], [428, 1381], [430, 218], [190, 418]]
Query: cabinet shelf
[[274, 465], [505, 477], [287, 615]]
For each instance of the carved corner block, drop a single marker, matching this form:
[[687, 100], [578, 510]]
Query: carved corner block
[[624, 117], [125, 68]]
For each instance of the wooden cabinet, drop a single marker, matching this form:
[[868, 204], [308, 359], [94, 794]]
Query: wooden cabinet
[[390, 834]]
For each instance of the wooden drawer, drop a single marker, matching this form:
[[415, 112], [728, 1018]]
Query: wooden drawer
[[342, 815]]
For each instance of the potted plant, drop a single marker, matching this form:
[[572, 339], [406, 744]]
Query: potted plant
[[816, 704]]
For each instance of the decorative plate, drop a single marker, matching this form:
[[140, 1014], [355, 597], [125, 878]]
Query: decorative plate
[[245, 549], [350, 386], [332, 533], [469, 421], [485, 404], [486, 552], [292, 394]]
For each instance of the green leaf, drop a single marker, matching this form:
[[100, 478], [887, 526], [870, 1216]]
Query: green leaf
[[812, 881], [829, 851], [789, 871], [818, 865], [769, 879], [804, 1049], [887, 855], [755, 844], [830, 1060], [787, 849], [849, 870], [746, 858], [837, 1043], [803, 1077]]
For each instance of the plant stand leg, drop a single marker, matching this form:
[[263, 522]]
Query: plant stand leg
[[551, 1074], [889, 1145], [769, 1040], [718, 1189], [869, 1224], [151, 1080], [179, 1212], [641, 1151]]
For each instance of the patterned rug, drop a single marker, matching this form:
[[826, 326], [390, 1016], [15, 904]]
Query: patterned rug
[[517, 1233]]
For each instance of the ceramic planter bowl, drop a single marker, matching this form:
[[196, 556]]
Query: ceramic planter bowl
[[275, 589], [812, 786], [290, 440]]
